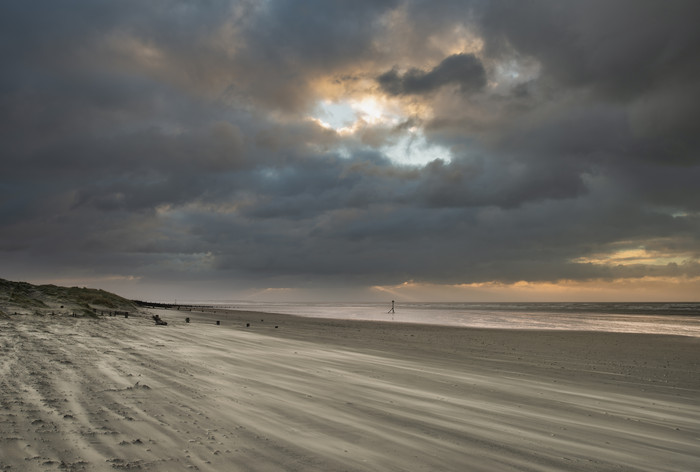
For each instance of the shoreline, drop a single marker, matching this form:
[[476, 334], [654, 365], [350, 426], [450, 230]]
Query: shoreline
[[649, 356], [329, 395], [628, 320]]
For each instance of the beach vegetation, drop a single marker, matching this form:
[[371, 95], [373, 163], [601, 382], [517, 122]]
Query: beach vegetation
[[24, 297]]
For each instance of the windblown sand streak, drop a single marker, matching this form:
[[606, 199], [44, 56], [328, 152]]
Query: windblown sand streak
[[331, 395]]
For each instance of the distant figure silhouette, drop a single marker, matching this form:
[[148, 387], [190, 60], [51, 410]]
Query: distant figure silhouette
[[392, 307]]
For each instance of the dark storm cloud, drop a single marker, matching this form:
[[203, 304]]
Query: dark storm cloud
[[622, 49], [464, 70], [171, 141], [290, 42]]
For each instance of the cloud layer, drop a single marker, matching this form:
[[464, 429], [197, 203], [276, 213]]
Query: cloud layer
[[464, 70], [175, 144]]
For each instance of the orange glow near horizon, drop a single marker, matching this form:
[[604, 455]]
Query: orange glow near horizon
[[647, 289], [634, 256]]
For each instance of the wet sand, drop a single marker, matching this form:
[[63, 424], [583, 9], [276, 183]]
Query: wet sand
[[288, 393]]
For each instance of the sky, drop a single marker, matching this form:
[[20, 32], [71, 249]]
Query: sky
[[360, 150]]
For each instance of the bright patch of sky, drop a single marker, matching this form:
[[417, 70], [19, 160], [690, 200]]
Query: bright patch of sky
[[347, 117], [335, 115], [415, 150]]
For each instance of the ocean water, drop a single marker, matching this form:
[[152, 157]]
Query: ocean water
[[654, 318]]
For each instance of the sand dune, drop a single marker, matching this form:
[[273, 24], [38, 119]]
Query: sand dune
[[330, 395]]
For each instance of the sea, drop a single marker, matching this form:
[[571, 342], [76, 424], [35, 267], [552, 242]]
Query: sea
[[652, 318]]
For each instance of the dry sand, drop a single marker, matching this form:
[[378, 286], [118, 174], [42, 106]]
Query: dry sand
[[329, 395]]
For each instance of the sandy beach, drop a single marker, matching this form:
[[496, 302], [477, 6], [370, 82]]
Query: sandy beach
[[263, 392]]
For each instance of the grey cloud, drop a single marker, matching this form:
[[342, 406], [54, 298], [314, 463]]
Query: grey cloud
[[622, 48], [170, 140], [500, 182], [464, 70], [290, 42], [638, 56], [288, 32]]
